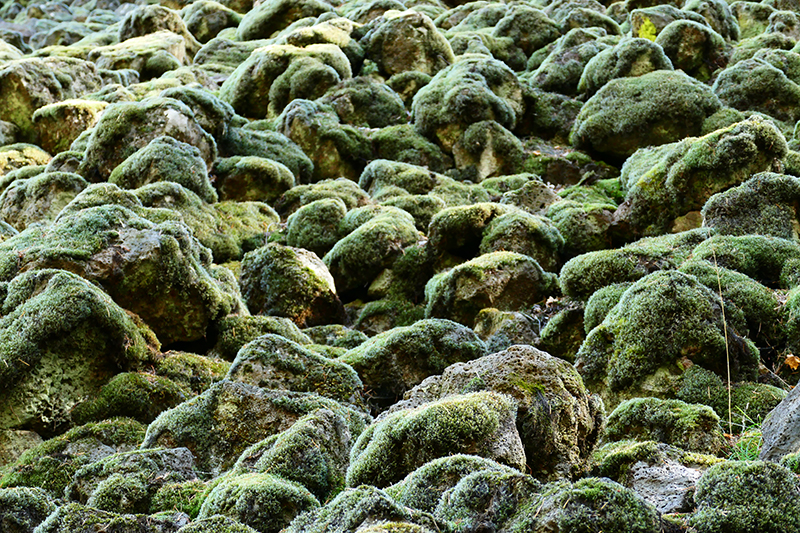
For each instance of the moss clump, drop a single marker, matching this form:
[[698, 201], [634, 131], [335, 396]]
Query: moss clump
[[272, 362], [136, 395], [23, 508], [276, 15], [750, 402], [768, 260], [313, 452], [52, 464], [270, 145], [235, 331], [739, 496], [382, 175], [252, 178], [667, 105], [484, 86], [601, 303], [347, 191], [363, 102], [290, 282], [680, 178], [221, 423], [392, 362], [184, 496], [693, 427], [661, 319], [193, 373], [216, 524], [756, 85], [315, 226], [527, 234], [405, 440]]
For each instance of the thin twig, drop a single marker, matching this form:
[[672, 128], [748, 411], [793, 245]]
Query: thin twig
[[725, 330]]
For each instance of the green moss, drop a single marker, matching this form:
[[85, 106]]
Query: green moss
[[460, 230], [301, 195], [39, 198], [739, 496], [382, 174], [527, 234], [768, 260], [22, 509], [52, 464], [184, 496], [601, 303], [217, 524], [235, 331], [405, 440], [403, 144], [136, 395], [364, 102], [693, 427], [633, 56], [563, 334], [392, 362], [756, 85], [315, 226], [274, 16]]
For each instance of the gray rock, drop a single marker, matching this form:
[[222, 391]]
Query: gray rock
[[781, 430], [668, 486]]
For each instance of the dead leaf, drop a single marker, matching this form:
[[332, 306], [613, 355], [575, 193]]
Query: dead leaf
[[793, 361]]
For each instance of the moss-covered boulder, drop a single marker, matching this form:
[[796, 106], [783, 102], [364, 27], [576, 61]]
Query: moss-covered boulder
[[507, 281], [365, 508], [273, 362], [124, 128], [375, 237], [337, 150], [148, 19], [165, 159], [250, 178], [473, 89], [221, 423], [149, 55], [631, 57], [62, 339], [407, 41], [125, 482], [215, 524], [693, 47], [460, 230], [265, 502], [234, 331], [59, 124], [746, 496], [272, 16], [527, 234], [480, 423], [680, 177], [192, 372], [487, 149], [404, 144], [694, 427], [79, 518], [315, 226], [158, 271], [28, 159], [662, 324], [206, 18], [344, 189], [23, 508], [264, 84], [290, 282], [39, 198], [757, 85], [558, 420], [51, 464], [364, 102], [395, 361], [314, 452], [630, 113]]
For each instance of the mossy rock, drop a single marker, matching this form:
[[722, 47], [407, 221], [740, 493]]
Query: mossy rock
[[78, 518], [315, 226], [59, 124], [221, 423], [582, 276], [408, 40], [423, 488], [487, 149], [653, 109], [480, 423], [126, 127], [125, 482], [215, 524], [88, 339], [680, 177], [739, 496], [591, 504], [344, 189], [24, 508], [507, 281], [337, 150], [290, 282], [271, 77], [402, 143], [461, 230], [374, 240], [268, 145], [39, 198], [360, 509], [193, 373], [148, 19], [631, 57], [52, 464], [486, 87], [757, 85], [314, 452], [150, 55], [693, 427], [330, 29], [420, 206], [273, 362], [363, 102], [393, 362], [205, 19], [163, 274], [336, 335], [270, 17], [382, 175], [166, 159], [531, 235], [693, 47], [548, 391], [21, 157], [601, 302], [250, 178], [502, 329], [233, 332], [638, 346]]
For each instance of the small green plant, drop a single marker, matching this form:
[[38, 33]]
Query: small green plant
[[747, 444]]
